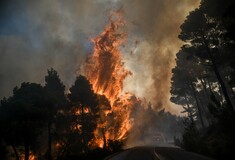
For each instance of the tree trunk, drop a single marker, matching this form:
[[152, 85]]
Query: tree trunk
[[15, 151], [26, 149], [104, 138], [103, 133], [219, 78], [223, 87], [190, 112], [205, 88], [26, 141], [83, 131], [198, 106], [209, 116], [49, 141]]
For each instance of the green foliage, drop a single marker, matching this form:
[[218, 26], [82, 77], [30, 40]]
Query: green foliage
[[82, 93], [55, 88], [191, 137], [208, 33], [23, 116], [84, 103]]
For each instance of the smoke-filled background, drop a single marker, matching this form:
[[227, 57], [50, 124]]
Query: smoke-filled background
[[38, 35]]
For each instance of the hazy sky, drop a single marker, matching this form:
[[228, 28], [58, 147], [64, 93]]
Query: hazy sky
[[37, 35]]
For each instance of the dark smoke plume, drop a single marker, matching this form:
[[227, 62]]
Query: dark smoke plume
[[37, 35]]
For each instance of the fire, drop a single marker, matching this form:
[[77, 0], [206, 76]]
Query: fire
[[105, 69], [106, 72], [31, 156]]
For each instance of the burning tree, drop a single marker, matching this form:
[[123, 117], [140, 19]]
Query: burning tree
[[106, 72], [97, 112], [105, 69], [84, 106]]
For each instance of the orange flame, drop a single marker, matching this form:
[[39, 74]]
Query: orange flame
[[105, 71], [31, 156]]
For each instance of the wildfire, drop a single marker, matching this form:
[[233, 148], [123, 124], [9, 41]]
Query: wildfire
[[105, 71], [31, 156]]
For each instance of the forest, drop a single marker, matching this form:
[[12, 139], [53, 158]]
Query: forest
[[203, 80], [49, 121], [42, 122]]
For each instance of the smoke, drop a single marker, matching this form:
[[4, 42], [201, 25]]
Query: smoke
[[38, 35], [153, 42], [155, 25]]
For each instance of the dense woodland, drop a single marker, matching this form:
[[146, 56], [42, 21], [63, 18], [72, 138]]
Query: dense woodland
[[47, 123], [43, 122], [203, 80]]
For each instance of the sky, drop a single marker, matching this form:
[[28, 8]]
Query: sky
[[38, 35]]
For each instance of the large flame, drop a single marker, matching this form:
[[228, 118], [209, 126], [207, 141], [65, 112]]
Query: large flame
[[105, 71]]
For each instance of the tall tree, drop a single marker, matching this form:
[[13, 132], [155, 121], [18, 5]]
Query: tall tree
[[55, 90], [184, 89], [208, 33], [204, 35], [104, 107], [84, 102], [24, 116]]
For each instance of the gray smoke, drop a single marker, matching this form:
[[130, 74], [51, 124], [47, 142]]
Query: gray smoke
[[155, 24], [38, 35], [55, 33]]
